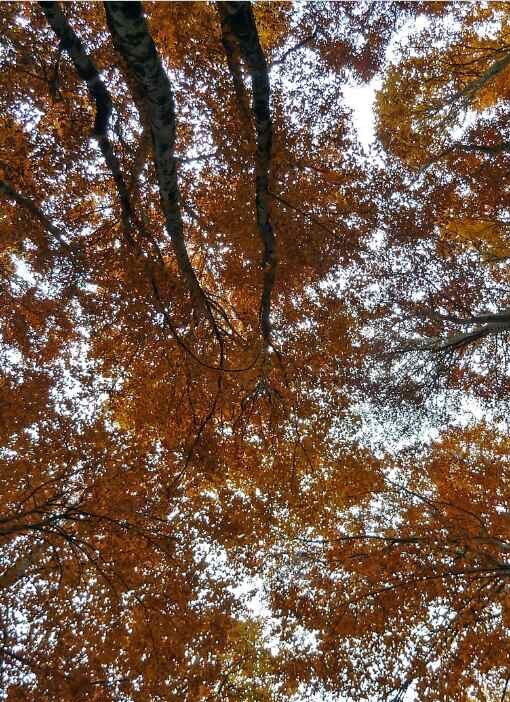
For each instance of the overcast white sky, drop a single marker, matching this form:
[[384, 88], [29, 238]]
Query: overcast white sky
[[360, 99]]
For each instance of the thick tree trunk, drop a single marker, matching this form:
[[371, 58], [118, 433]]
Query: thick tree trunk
[[133, 41]]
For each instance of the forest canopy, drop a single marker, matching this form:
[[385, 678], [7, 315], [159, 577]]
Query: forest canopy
[[254, 365]]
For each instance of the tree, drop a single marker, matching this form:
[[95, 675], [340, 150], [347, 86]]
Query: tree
[[187, 232], [411, 594], [442, 119], [169, 402]]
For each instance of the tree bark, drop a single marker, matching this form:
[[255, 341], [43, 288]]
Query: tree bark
[[132, 39], [238, 21]]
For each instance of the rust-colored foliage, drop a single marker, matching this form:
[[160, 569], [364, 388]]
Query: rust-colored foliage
[[210, 292]]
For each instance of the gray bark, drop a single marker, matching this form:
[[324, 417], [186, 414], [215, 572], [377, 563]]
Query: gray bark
[[133, 41]]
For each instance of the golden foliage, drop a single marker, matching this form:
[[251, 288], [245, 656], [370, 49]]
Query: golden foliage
[[190, 508]]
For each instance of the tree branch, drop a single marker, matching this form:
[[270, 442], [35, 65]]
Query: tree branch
[[494, 149], [467, 94], [300, 45], [87, 71], [28, 204], [132, 39], [20, 568], [488, 324], [237, 19], [233, 57]]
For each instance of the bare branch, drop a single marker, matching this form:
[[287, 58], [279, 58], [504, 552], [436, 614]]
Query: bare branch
[[300, 45]]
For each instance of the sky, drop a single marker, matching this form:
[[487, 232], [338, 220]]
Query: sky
[[360, 98]]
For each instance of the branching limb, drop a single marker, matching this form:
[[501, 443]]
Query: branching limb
[[157, 107], [494, 149], [468, 93], [487, 325], [300, 45], [21, 567]]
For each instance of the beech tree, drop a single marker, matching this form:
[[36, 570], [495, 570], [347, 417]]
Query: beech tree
[[442, 119], [201, 273], [410, 594]]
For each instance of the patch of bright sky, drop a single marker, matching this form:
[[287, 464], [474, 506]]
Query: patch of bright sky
[[360, 99]]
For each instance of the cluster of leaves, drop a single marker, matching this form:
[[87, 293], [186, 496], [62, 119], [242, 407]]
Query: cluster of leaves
[[209, 292]]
